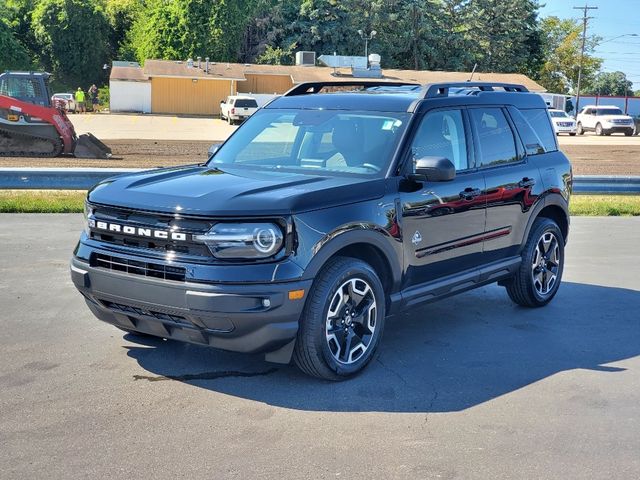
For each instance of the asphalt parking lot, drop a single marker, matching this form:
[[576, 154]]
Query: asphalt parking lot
[[471, 387]]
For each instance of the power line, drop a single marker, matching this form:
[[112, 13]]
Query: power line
[[585, 19]]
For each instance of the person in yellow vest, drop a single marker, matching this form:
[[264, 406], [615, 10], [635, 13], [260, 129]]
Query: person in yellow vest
[[80, 100]]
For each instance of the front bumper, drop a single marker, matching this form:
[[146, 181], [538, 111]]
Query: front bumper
[[618, 128], [573, 129], [250, 318]]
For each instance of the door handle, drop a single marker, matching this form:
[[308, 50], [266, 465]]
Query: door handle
[[470, 193], [526, 182]]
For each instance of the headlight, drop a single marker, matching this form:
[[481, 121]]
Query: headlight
[[88, 218], [243, 240]]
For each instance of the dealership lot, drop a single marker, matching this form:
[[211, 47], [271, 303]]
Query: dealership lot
[[470, 387]]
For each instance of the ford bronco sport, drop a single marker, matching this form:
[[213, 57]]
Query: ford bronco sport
[[331, 209]]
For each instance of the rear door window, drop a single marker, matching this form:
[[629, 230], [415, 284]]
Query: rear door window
[[496, 142]]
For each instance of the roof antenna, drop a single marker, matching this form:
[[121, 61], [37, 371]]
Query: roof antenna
[[472, 72]]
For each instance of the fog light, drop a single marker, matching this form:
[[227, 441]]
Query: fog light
[[266, 303]]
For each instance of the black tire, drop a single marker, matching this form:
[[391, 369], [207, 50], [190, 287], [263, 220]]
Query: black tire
[[522, 288], [314, 351], [628, 133], [572, 134], [580, 130]]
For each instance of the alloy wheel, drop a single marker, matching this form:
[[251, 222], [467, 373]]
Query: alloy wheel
[[351, 320], [545, 264]]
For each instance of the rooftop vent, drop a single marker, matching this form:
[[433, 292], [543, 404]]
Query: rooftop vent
[[306, 59]]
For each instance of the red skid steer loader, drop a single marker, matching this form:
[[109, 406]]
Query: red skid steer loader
[[31, 127]]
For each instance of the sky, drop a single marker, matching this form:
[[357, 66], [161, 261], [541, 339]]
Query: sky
[[612, 19]]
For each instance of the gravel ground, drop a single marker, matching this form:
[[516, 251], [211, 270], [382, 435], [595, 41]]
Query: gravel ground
[[586, 159]]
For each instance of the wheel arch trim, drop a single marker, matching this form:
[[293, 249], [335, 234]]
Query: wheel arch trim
[[553, 200], [333, 243]]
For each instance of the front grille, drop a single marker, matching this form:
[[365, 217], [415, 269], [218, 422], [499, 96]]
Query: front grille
[[621, 122], [127, 309], [137, 267], [565, 124], [155, 221]]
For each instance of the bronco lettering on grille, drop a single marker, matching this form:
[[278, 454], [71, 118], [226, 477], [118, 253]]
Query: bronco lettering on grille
[[139, 231]]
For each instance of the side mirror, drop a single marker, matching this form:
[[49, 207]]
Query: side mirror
[[434, 169], [213, 149]]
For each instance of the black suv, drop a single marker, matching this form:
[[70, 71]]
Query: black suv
[[331, 209]]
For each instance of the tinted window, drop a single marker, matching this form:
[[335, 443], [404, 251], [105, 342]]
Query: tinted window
[[322, 141], [247, 103], [609, 111], [539, 121], [495, 137], [441, 134], [532, 143]]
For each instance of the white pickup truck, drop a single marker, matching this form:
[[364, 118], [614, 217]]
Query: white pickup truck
[[604, 120], [237, 108]]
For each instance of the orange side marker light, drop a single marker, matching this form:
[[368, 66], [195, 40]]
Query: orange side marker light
[[296, 294]]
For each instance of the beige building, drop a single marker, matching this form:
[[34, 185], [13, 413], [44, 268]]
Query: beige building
[[179, 87]]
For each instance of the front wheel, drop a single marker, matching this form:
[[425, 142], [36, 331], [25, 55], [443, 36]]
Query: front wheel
[[580, 130], [599, 130], [537, 280], [342, 322]]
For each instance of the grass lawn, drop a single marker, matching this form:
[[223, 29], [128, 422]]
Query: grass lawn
[[605, 205], [42, 201], [68, 201]]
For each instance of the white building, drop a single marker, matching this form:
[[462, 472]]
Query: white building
[[129, 88]]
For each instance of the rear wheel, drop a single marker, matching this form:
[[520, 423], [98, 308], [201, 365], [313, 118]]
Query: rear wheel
[[342, 322], [537, 280]]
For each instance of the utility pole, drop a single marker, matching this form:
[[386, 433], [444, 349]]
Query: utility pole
[[585, 19]]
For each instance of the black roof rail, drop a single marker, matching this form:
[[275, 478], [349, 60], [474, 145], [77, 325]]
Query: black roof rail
[[434, 90], [315, 87]]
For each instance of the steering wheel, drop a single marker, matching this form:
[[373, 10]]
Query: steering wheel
[[371, 166]]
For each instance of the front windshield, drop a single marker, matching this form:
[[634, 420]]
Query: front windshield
[[555, 113], [608, 111], [322, 141]]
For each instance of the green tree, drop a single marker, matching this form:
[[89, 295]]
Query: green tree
[[454, 46], [73, 40], [505, 35], [610, 83], [13, 55], [178, 29], [121, 15], [561, 45]]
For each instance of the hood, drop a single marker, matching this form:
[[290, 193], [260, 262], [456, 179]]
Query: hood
[[615, 117], [202, 190], [562, 120]]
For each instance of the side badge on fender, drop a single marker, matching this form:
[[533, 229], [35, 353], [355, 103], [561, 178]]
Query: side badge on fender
[[417, 238]]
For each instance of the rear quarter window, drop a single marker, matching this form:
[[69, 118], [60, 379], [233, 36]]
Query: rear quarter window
[[538, 119]]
